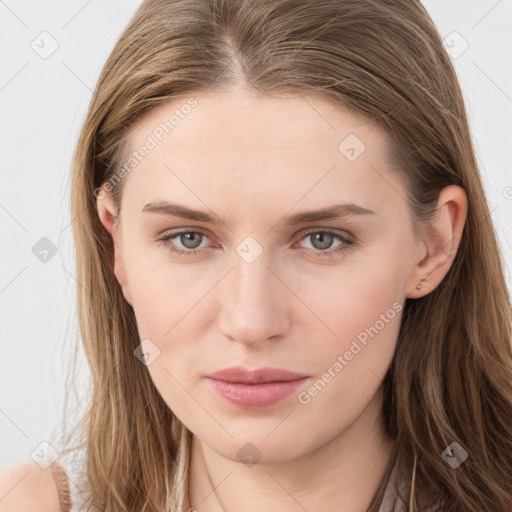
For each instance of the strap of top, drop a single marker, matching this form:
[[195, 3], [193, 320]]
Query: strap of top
[[61, 481], [68, 473], [393, 501]]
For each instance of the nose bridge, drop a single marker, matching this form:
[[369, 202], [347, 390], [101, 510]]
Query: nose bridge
[[252, 305]]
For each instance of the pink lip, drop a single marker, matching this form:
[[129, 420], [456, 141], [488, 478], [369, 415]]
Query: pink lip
[[255, 388], [255, 375]]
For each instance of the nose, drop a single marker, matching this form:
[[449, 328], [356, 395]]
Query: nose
[[255, 304]]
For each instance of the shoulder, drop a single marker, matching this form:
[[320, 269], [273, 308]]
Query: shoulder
[[29, 488]]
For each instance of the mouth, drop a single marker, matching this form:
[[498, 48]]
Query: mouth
[[261, 387]]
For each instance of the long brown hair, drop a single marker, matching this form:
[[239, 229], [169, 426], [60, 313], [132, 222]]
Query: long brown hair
[[451, 377]]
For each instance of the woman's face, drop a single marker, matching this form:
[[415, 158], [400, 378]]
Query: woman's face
[[265, 285]]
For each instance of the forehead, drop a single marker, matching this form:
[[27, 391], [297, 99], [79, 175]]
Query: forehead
[[242, 146]]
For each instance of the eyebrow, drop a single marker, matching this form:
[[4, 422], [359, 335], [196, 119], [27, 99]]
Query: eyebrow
[[335, 211]]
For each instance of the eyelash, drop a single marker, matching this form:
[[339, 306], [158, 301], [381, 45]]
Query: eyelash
[[346, 243]]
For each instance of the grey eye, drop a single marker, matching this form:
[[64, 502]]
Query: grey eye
[[191, 239], [321, 240]]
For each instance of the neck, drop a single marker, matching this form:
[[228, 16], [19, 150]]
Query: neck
[[342, 475]]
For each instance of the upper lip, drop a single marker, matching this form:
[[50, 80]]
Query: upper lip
[[255, 375]]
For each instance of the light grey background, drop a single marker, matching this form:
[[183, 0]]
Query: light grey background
[[43, 100]]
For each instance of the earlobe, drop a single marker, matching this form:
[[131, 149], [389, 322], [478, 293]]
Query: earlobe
[[109, 215], [442, 240]]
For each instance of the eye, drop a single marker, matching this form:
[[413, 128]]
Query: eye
[[191, 240], [322, 240]]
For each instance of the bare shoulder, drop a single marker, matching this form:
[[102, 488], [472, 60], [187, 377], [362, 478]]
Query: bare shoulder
[[28, 488]]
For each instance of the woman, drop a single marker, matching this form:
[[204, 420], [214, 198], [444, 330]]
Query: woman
[[292, 295]]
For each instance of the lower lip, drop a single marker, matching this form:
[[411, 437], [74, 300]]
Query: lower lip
[[254, 396]]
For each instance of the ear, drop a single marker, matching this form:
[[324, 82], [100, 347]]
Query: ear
[[109, 217], [440, 242]]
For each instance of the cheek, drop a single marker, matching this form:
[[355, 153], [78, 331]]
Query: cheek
[[350, 363], [358, 311], [363, 327], [163, 292], [173, 308], [352, 295]]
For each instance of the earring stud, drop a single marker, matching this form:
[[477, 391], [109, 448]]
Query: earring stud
[[420, 286]]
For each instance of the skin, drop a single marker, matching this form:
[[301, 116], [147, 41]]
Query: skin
[[28, 487], [251, 160]]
